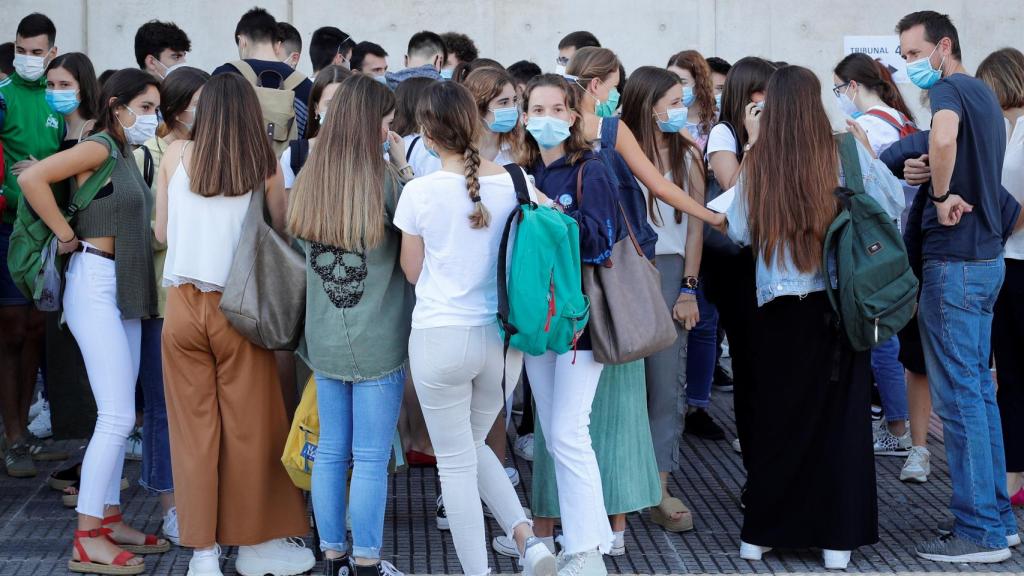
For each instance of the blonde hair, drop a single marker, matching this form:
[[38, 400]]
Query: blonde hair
[[1003, 71], [338, 199], [486, 84]]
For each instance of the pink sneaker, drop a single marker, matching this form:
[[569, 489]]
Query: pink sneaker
[[1018, 498]]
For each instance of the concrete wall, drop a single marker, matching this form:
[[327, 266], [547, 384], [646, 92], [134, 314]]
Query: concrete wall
[[806, 32]]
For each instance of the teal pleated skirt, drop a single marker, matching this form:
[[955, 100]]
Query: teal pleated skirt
[[621, 435]]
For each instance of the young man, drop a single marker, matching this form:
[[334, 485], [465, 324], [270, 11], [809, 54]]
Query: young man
[[719, 69], [962, 251], [289, 44], [523, 71], [370, 58], [256, 35], [330, 46], [461, 48], [568, 46], [30, 130], [161, 47], [425, 57]]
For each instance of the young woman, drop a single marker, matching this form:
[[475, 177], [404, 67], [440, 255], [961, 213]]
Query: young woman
[[320, 97], [357, 319], [110, 288], [407, 97], [866, 92], [698, 93], [229, 483], [456, 352], [653, 104], [556, 150], [1003, 70], [179, 94], [810, 437], [72, 90]]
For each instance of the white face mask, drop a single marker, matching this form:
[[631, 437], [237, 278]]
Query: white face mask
[[143, 129], [169, 69], [29, 67], [847, 105]]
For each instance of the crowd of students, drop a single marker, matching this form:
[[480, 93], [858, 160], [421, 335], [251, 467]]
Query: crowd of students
[[394, 188]]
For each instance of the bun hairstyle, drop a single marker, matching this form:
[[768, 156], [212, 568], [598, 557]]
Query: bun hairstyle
[[875, 76], [448, 116]]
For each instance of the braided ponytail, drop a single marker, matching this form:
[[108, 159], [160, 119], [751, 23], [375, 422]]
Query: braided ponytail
[[480, 217]]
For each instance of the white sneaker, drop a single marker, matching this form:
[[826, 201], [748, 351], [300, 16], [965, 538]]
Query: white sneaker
[[280, 557], [618, 544], [1013, 540], [507, 547], [836, 559], [736, 446], [539, 560], [170, 527], [41, 424], [36, 406], [589, 563], [752, 551], [133, 450], [918, 465], [205, 563], [513, 475], [523, 447], [441, 514]]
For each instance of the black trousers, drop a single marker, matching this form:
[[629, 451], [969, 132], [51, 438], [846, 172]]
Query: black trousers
[[1008, 345]]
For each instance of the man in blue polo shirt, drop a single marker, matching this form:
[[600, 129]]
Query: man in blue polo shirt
[[962, 251]]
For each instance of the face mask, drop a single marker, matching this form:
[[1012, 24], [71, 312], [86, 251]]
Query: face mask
[[760, 105], [169, 69], [921, 72], [30, 68], [387, 146], [432, 152], [675, 121], [505, 119], [188, 125], [607, 108], [383, 79], [143, 129], [847, 105], [718, 101], [688, 96], [560, 70], [447, 73], [62, 101], [548, 131]]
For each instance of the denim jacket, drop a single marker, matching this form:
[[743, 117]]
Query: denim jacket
[[775, 279]]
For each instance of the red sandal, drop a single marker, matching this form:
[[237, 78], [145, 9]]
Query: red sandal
[[119, 567], [153, 544]]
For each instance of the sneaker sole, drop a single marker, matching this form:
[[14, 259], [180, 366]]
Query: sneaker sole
[[892, 452], [977, 557], [722, 388], [915, 479], [262, 568], [504, 551], [545, 566], [22, 473], [442, 524], [617, 551]]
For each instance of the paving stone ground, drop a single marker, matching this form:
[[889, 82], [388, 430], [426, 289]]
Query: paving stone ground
[[35, 529]]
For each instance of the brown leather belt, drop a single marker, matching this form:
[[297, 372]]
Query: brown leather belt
[[94, 251]]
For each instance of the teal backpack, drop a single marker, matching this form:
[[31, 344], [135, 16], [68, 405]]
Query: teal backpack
[[869, 280], [541, 305]]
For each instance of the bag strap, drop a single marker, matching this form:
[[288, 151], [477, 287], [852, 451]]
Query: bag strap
[[885, 117], [292, 81], [519, 181], [504, 311], [246, 71], [299, 154], [622, 211], [850, 159], [148, 169], [408, 153], [87, 191]]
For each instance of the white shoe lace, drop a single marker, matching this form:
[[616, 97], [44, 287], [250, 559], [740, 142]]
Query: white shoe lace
[[917, 457]]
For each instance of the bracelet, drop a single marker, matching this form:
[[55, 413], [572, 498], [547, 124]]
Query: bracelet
[[73, 238], [685, 290], [407, 167]]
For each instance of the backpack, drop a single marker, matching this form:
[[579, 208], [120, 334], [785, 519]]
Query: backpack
[[541, 305], [902, 124], [277, 105], [870, 283], [631, 197], [31, 237], [148, 166], [716, 243]]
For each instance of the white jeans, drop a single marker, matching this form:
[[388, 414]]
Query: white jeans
[[563, 391], [110, 347], [457, 371]]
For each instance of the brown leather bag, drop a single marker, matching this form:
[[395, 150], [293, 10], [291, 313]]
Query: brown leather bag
[[265, 294], [628, 316]]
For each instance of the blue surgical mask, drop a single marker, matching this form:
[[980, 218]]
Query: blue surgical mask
[[383, 79], [447, 73], [688, 96], [674, 122], [921, 72], [548, 131], [62, 101], [505, 119], [433, 153], [387, 146], [718, 101]]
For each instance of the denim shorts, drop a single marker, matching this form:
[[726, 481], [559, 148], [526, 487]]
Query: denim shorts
[[9, 293]]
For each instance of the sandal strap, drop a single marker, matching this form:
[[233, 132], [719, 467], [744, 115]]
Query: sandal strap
[[112, 519], [122, 558], [94, 533], [151, 540]]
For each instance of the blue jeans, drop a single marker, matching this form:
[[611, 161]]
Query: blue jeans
[[156, 444], [357, 426], [955, 316], [701, 354], [891, 379]]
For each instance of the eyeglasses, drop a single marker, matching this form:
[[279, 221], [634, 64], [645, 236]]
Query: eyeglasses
[[840, 88]]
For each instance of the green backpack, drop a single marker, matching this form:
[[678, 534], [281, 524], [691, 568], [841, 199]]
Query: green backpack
[[869, 280], [541, 305], [31, 236]]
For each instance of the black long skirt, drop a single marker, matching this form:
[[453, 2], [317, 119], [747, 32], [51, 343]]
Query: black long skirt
[[811, 468]]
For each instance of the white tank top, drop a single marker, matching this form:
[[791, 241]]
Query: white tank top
[[202, 234]]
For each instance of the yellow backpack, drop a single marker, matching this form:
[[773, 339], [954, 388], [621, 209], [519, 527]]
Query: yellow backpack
[[300, 449]]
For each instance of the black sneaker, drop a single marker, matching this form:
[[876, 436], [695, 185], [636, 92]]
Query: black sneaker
[[382, 568], [442, 516], [337, 566], [722, 381], [700, 424]]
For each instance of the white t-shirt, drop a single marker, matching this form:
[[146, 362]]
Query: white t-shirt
[[721, 139], [880, 133], [671, 234], [458, 285], [421, 161], [286, 168], [1013, 180]]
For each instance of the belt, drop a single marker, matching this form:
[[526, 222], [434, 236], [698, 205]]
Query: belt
[[94, 251]]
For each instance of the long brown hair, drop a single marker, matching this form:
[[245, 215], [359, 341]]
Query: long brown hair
[[747, 75], [576, 144], [486, 84], [590, 63], [646, 86], [407, 98], [448, 116], [703, 88], [338, 199], [875, 76], [232, 154], [790, 172], [328, 75]]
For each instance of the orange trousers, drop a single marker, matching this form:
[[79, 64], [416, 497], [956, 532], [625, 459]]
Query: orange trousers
[[227, 427]]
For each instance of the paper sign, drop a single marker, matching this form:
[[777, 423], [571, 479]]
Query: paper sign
[[723, 202], [884, 48]]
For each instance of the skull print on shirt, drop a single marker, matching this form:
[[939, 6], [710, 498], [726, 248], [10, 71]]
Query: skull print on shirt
[[343, 273]]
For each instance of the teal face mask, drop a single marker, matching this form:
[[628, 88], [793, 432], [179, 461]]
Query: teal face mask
[[607, 108], [688, 96], [921, 72]]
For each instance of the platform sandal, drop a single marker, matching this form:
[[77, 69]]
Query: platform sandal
[[119, 567], [153, 544]]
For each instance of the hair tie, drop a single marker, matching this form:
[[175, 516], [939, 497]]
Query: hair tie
[[475, 198]]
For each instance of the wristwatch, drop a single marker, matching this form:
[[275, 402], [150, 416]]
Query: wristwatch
[[939, 199], [690, 282]]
